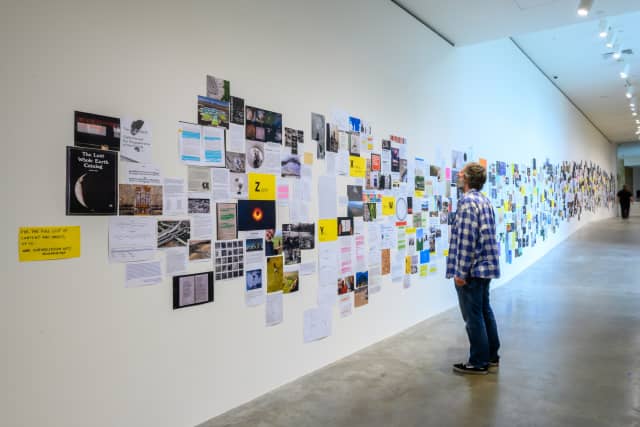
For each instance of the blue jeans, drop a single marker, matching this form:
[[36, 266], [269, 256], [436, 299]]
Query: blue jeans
[[479, 321]]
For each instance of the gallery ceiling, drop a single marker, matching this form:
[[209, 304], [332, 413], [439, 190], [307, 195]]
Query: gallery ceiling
[[561, 43]]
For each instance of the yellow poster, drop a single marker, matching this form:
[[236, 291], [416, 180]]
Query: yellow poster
[[424, 268], [357, 166], [46, 243], [407, 265], [388, 205], [410, 231], [328, 230], [419, 193], [308, 158], [445, 252], [262, 186]]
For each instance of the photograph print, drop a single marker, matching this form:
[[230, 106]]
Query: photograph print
[[253, 279], [256, 215], [263, 125], [235, 162], [290, 165], [291, 244], [173, 234], [219, 89], [237, 111], [95, 131], [317, 133], [138, 199], [229, 259], [212, 112], [255, 155], [290, 281]]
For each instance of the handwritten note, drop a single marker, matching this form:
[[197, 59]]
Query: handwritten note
[[48, 243]]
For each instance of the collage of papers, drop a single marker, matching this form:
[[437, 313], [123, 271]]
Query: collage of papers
[[250, 209]]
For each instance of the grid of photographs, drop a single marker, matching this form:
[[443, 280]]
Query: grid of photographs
[[263, 125], [229, 259]]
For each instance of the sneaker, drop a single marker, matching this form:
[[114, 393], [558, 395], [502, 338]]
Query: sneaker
[[494, 365], [465, 368]]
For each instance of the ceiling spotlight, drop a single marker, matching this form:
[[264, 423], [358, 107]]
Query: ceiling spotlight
[[617, 51], [633, 103], [604, 28], [611, 39], [630, 91], [624, 74], [585, 7], [637, 122], [634, 114]]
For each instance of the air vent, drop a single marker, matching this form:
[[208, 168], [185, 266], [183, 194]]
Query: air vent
[[624, 52]]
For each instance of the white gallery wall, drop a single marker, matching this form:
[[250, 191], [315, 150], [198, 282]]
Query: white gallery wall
[[79, 348]]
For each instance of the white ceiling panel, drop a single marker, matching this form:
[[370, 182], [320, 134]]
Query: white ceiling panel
[[473, 21]]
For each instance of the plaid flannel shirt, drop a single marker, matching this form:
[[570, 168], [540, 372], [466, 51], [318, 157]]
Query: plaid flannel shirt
[[473, 249]]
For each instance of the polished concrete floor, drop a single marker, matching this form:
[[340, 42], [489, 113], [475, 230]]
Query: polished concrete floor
[[570, 329]]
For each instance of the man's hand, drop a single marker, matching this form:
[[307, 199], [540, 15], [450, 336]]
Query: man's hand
[[459, 282]]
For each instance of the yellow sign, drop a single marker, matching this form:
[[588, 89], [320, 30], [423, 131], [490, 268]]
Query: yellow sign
[[357, 166], [419, 193], [388, 205], [328, 230], [46, 243], [308, 158], [445, 252], [262, 186], [424, 268], [407, 265], [410, 230], [433, 269]]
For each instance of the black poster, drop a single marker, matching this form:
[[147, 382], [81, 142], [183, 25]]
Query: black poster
[[94, 131], [256, 215], [92, 177]]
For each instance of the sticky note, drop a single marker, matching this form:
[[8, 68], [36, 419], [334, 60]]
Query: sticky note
[[357, 166], [48, 243], [388, 205], [328, 230], [262, 186], [308, 158]]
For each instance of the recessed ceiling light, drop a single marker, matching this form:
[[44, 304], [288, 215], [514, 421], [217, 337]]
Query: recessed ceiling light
[[617, 51], [611, 39], [624, 74], [584, 7], [630, 92], [604, 29]]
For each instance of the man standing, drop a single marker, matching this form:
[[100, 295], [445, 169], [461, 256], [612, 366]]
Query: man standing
[[472, 263], [624, 196]]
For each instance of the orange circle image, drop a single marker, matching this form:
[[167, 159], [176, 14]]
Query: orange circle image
[[257, 214]]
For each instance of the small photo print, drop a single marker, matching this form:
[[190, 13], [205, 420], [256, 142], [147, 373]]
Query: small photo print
[[219, 89], [290, 282], [254, 279], [199, 250], [235, 162], [173, 234], [361, 296]]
